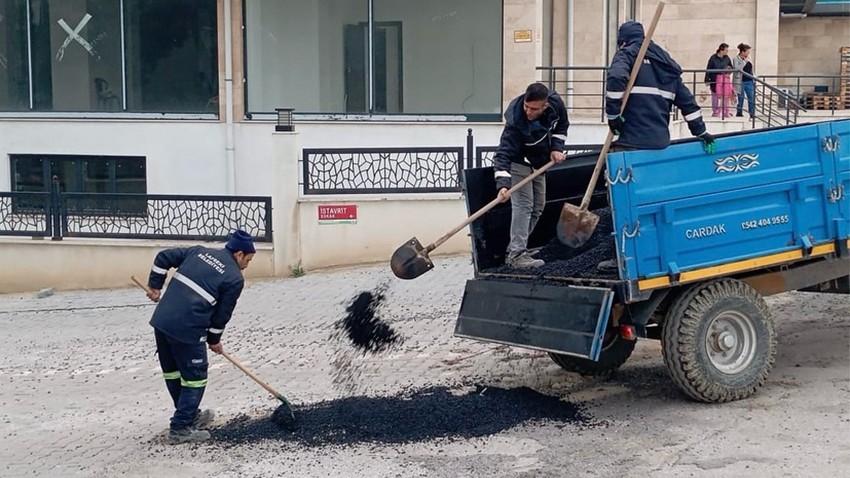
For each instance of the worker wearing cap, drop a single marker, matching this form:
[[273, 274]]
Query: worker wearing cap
[[189, 317]]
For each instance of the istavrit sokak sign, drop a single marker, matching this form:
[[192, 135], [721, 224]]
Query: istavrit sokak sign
[[337, 213]]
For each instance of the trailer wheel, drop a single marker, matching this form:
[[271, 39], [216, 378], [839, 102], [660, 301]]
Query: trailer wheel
[[718, 341], [615, 351]]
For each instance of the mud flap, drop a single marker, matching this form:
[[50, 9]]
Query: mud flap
[[561, 319]]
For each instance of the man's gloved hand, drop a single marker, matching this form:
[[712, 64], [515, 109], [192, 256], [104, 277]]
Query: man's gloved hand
[[616, 125], [708, 142]]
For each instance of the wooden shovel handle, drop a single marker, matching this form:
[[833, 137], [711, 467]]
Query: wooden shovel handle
[[585, 202], [253, 376], [487, 207], [144, 287]]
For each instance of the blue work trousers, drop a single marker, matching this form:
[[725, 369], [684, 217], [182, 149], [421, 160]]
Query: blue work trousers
[[184, 367]]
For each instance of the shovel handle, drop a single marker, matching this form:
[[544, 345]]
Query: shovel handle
[[487, 207], [254, 377], [144, 287], [585, 201]]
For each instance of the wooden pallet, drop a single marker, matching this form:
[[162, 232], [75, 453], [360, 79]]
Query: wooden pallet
[[822, 101], [844, 86]]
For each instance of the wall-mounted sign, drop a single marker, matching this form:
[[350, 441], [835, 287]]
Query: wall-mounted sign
[[522, 36], [337, 214]]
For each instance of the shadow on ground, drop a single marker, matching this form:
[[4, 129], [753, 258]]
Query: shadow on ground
[[431, 413]]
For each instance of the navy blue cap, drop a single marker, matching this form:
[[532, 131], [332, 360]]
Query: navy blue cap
[[241, 241]]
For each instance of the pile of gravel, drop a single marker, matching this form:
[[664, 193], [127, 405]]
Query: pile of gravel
[[427, 414], [565, 261]]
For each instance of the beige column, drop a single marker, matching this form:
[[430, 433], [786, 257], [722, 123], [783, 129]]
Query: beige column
[[521, 56], [766, 55], [238, 60], [286, 148]]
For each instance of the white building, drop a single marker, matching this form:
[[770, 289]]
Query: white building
[[179, 96]]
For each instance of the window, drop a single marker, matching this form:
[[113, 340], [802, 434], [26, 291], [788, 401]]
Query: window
[[79, 174], [441, 57], [148, 56], [14, 74]]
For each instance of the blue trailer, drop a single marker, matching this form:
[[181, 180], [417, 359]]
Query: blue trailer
[[699, 241]]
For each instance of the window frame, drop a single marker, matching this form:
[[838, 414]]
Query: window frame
[[32, 112], [79, 174], [371, 116]]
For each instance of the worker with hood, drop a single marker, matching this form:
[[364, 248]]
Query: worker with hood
[[645, 122]]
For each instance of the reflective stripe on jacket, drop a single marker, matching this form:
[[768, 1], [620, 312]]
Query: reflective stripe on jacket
[[201, 295]]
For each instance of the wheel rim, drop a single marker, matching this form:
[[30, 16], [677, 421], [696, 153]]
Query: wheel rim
[[731, 342]]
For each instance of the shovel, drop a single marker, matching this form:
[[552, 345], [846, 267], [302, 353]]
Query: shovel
[[283, 416], [411, 259], [576, 224]]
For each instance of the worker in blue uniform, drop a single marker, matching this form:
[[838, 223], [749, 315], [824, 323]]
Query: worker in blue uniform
[[189, 317], [645, 122]]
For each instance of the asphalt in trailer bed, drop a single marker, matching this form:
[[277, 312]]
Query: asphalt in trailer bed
[[565, 262]]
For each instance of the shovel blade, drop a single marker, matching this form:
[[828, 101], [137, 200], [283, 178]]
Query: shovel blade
[[576, 225], [410, 260], [284, 417]]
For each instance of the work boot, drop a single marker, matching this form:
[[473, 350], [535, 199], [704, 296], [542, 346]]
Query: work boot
[[608, 266], [203, 419], [525, 261], [187, 435]]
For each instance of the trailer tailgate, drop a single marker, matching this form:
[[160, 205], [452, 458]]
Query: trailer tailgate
[[562, 319]]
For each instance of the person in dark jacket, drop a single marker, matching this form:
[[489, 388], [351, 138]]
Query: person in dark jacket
[[535, 133], [189, 317], [718, 61], [645, 122]]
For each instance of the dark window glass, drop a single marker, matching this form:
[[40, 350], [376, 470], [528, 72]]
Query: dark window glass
[[420, 57], [130, 176], [96, 175], [172, 52], [28, 174], [79, 174], [76, 55], [14, 69]]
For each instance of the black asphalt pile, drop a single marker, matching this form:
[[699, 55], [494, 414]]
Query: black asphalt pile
[[283, 417], [425, 415], [565, 261]]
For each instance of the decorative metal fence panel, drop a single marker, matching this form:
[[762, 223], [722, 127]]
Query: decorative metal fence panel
[[134, 216], [25, 214], [150, 216], [484, 154], [382, 170]]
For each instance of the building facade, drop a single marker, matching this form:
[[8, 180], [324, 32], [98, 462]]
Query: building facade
[[179, 96]]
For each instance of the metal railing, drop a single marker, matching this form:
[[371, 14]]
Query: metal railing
[[26, 214], [134, 216], [583, 89], [815, 92], [397, 170], [773, 107], [381, 170]]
